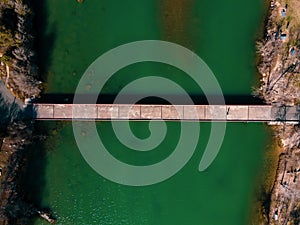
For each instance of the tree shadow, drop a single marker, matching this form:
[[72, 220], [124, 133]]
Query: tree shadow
[[10, 111], [32, 176], [45, 39], [18, 147]]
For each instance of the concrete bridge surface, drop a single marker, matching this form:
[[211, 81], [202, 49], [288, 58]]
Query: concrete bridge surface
[[101, 112]]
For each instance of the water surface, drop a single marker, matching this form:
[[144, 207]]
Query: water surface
[[223, 34]]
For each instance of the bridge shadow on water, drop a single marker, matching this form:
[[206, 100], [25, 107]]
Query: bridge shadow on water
[[180, 100]]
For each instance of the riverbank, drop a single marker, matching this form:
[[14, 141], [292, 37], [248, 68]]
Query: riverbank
[[280, 85], [18, 68], [18, 82], [16, 133], [16, 159]]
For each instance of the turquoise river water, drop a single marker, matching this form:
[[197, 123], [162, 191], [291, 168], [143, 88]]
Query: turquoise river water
[[222, 33]]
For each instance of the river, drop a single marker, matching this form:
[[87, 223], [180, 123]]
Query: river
[[73, 35]]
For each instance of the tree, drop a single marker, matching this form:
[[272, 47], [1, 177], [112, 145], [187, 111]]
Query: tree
[[6, 39]]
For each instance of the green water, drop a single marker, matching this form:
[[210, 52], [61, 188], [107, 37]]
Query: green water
[[223, 34]]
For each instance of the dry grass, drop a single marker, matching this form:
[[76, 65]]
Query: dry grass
[[293, 12]]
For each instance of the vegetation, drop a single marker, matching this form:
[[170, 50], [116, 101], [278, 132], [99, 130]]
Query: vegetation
[[16, 49], [19, 72], [279, 65], [293, 7], [6, 39], [279, 57]]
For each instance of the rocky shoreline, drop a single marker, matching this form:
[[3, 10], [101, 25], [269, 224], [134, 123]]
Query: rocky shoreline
[[279, 66]]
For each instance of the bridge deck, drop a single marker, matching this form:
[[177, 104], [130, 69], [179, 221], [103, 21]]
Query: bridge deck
[[263, 113]]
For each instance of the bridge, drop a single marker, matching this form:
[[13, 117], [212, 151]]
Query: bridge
[[102, 112]]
